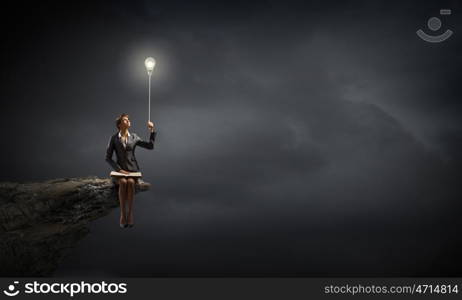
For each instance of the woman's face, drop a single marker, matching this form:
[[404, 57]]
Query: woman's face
[[125, 123]]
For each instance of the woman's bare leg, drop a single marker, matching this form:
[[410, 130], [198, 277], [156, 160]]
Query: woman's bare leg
[[130, 197], [123, 200]]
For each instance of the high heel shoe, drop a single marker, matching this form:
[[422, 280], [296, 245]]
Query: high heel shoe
[[130, 218], [123, 225]]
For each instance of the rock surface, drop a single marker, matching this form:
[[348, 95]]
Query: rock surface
[[40, 222]]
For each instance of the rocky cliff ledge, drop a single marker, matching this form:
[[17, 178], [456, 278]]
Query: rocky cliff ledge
[[41, 221]]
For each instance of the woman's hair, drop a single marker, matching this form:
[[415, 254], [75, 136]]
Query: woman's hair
[[119, 119]]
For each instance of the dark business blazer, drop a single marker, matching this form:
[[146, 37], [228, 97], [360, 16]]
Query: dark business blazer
[[126, 155]]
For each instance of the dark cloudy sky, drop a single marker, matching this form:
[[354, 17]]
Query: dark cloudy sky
[[294, 138]]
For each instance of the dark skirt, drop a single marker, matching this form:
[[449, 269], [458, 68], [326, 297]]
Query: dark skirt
[[115, 180]]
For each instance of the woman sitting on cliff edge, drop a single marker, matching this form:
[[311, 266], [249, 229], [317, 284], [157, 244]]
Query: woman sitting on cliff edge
[[124, 143]]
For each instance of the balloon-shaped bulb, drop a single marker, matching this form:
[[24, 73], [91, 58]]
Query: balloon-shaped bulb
[[150, 63]]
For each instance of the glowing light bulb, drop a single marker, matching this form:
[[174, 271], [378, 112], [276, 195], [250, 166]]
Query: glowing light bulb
[[150, 63]]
